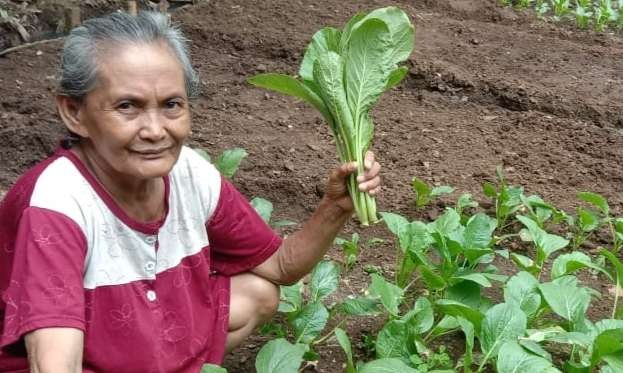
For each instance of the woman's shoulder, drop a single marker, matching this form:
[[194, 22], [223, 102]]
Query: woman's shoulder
[[54, 184]]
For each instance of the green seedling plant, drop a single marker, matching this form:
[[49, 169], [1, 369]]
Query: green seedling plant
[[523, 4], [227, 162], [541, 7], [560, 7], [507, 198], [265, 209], [342, 75], [350, 250], [424, 194], [307, 314], [583, 13], [588, 221], [604, 14]]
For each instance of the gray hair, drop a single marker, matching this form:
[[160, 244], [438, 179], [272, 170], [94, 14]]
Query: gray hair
[[79, 59]]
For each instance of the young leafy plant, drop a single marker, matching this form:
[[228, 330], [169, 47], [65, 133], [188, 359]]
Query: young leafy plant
[[507, 198], [350, 249], [265, 209], [424, 194], [227, 162], [343, 74]]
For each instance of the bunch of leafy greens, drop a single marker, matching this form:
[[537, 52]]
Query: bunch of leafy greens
[[343, 74]]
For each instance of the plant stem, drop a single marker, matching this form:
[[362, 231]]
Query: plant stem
[[411, 283], [616, 298], [322, 339]]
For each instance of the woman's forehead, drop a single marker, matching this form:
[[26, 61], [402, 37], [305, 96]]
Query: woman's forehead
[[139, 67]]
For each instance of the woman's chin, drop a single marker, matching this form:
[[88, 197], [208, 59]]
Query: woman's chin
[[153, 168]]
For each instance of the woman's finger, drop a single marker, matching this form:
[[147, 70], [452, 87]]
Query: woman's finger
[[368, 185]]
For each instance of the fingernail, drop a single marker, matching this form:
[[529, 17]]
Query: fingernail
[[360, 178], [368, 164]]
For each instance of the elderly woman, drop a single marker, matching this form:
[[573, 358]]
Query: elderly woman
[[125, 251]]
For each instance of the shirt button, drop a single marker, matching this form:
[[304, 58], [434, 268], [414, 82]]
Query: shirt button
[[151, 295], [151, 239], [150, 266]]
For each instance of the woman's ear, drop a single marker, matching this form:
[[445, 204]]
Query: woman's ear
[[70, 111]]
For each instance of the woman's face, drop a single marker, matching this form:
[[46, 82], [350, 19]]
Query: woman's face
[[137, 117]]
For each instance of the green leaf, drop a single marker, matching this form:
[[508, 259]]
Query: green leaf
[[324, 280], [360, 306], [522, 289], [616, 263], [587, 220], [441, 190], [478, 231], [465, 292], [421, 318], [366, 65], [291, 297], [402, 32], [324, 40], [328, 75], [344, 342], [567, 301], [415, 239], [512, 358], [523, 261], [478, 278], [229, 161], [535, 348], [347, 30], [290, 86], [570, 338], [211, 368], [569, 263], [268, 329], [422, 192], [457, 309], [389, 365], [502, 323], [263, 207], [308, 322], [394, 222], [448, 222], [468, 329], [396, 76], [393, 341], [279, 356], [465, 201], [390, 294], [608, 346], [489, 190], [546, 243], [432, 280], [596, 200]]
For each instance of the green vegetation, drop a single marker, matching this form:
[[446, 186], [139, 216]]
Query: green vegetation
[[600, 14], [343, 74], [444, 270]]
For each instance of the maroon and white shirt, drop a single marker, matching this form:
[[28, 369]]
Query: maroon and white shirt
[[150, 297]]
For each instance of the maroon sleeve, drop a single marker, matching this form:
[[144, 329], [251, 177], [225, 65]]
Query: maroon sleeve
[[239, 239], [46, 287]]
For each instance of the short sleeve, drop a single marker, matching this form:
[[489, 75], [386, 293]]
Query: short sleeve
[[239, 239], [45, 288]]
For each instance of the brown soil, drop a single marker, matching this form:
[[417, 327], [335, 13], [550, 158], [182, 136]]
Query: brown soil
[[487, 86]]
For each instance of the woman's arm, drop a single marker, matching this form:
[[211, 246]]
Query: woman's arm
[[300, 252], [55, 350]]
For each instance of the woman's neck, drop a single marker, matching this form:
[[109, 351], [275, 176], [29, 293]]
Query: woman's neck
[[141, 199]]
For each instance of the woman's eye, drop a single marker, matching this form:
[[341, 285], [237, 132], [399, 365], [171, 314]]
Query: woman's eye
[[125, 106], [173, 105]]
